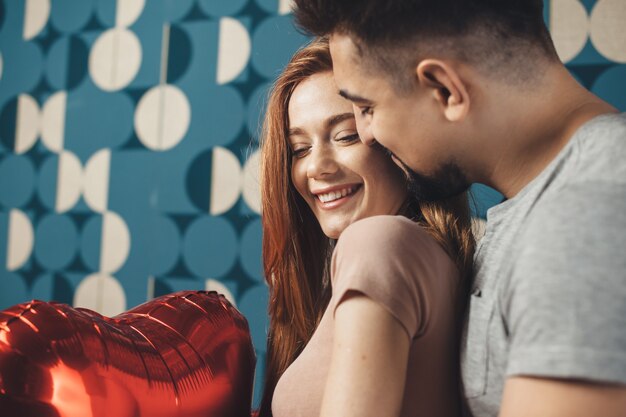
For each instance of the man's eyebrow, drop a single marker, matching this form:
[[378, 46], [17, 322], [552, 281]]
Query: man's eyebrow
[[353, 98]]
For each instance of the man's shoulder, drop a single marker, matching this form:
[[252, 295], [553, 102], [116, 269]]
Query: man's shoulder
[[591, 178], [599, 151], [583, 206], [606, 129], [573, 238]]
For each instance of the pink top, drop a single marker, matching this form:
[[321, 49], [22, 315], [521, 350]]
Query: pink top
[[395, 262]]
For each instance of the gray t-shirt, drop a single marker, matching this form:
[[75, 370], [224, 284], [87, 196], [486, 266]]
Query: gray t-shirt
[[549, 297]]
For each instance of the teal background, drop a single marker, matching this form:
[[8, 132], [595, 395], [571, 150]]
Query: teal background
[[179, 206]]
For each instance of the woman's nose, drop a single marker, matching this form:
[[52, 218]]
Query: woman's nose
[[321, 162]]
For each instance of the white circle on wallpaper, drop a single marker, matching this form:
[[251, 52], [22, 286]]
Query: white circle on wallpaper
[[101, 293], [115, 243], [36, 15], [569, 27], [285, 6], [251, 182], [162, 117], [96, 180], [225, 180], [128, 11], [608, 29], [21, 239], [27, 129], [115, 59], [233, 50], [53, 121], [69, 181], [214, 285]]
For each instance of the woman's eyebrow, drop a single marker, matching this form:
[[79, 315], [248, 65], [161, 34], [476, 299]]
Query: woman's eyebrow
[[295, 131], [330, 123], [338, 118]]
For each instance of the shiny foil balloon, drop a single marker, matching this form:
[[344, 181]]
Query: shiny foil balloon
[[184, 354]]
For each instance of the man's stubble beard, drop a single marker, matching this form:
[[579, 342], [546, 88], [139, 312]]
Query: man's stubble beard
[[448, 181]]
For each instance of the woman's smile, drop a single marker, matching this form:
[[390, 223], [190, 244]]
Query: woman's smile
[[336, 196]]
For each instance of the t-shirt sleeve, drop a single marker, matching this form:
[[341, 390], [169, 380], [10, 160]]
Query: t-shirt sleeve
[[392, 261], [566, 305]]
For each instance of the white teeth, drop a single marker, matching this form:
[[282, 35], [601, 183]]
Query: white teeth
[[335, 195]]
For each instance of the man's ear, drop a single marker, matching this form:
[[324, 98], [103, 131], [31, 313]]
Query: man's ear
[[446, 86]]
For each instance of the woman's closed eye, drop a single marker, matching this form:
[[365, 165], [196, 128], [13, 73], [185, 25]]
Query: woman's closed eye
[[299, 151], [347, 138]]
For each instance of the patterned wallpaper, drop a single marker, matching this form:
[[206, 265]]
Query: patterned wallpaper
[[128, 142]]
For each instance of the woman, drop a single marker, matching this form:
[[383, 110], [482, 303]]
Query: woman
[[368, 326]]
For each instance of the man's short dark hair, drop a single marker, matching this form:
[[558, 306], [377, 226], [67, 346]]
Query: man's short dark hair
[[489, 33]]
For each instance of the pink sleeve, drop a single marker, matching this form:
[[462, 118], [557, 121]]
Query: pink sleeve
[[393, 261]]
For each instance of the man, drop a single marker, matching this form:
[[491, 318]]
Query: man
[[473, 91]]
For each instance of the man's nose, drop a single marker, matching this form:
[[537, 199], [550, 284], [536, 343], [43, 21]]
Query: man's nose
[[363, 127]]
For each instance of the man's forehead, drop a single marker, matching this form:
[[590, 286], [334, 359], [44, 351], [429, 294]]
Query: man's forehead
[[354, 76], [344, 48]]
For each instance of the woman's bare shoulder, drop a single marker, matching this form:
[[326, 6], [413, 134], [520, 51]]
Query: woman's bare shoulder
[[387, 229]]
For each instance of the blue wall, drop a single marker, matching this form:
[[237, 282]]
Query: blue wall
[[128, 148]]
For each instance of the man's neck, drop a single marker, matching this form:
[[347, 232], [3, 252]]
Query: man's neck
[[535, 129]]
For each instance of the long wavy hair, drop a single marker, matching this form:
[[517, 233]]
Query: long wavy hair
[[296, 253]]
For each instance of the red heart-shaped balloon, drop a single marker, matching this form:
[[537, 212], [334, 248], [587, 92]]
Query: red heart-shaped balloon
[[184, 354]]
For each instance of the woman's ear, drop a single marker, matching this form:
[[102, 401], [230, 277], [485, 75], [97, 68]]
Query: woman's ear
[[446, 87]]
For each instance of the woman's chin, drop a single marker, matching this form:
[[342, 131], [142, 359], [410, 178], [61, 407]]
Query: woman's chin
[[334, 229]]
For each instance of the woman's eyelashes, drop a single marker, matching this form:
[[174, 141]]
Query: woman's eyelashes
[[299, 151], [347, 138]]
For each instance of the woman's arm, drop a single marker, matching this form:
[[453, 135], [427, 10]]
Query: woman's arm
[[369, 360]]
